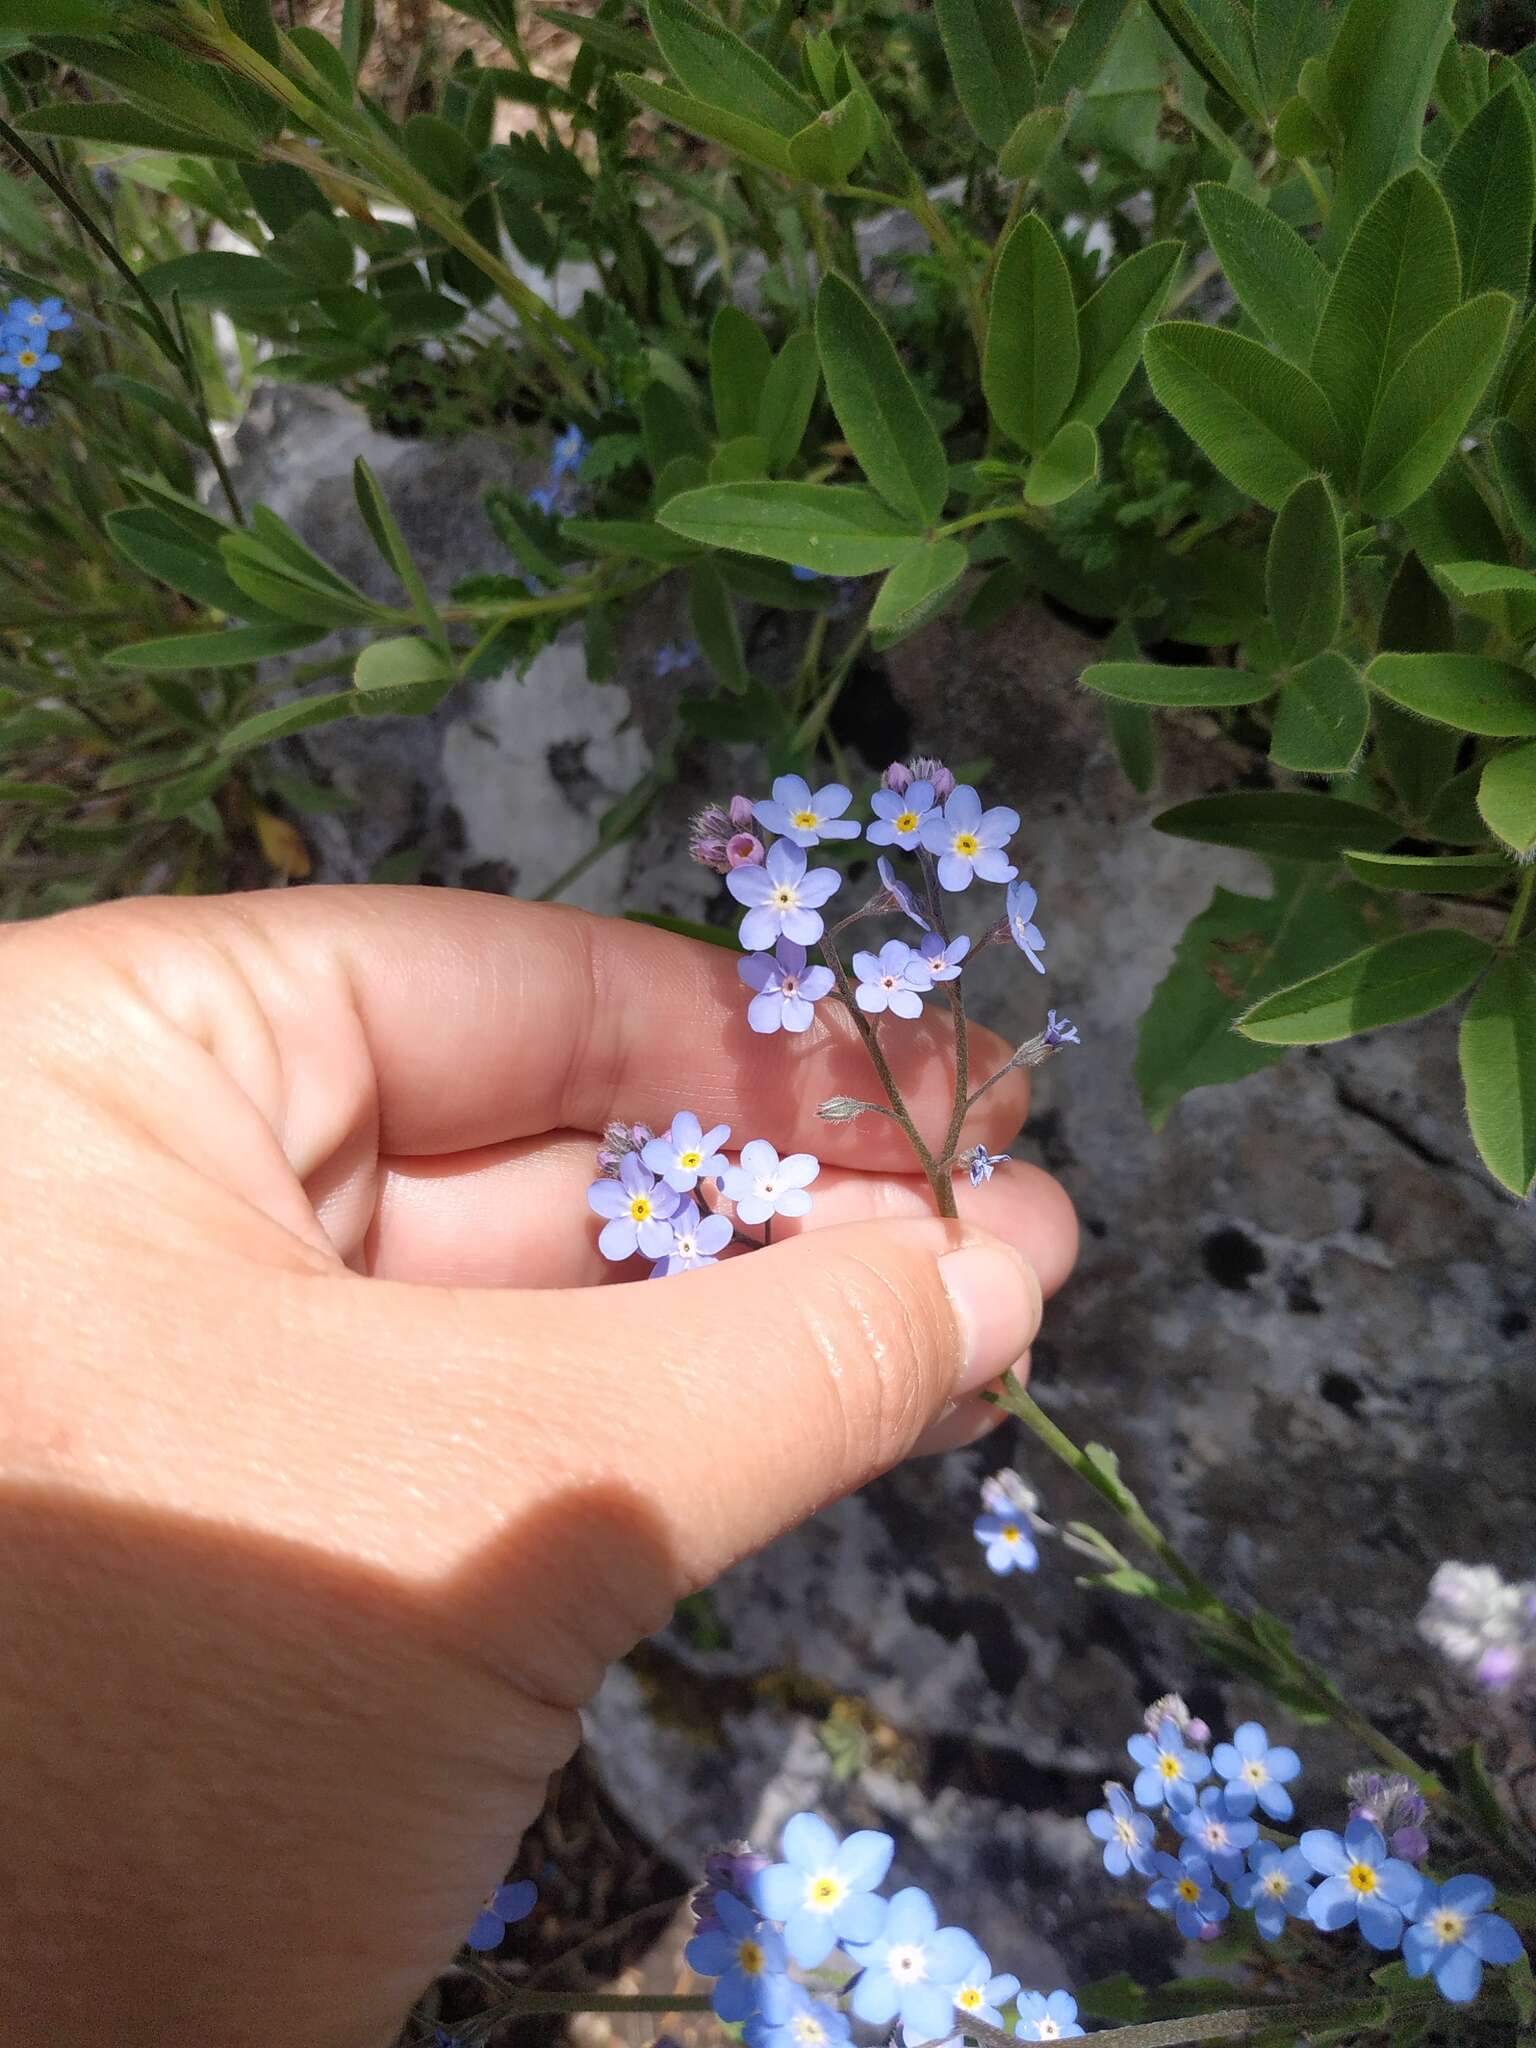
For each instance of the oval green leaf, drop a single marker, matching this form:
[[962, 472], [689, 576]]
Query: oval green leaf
[[1062, 469], [838, 529], [716, 66], [1281, 824], [1262, 422], [739, 362], [1468, 691], [916, 590], [1489, 182], [884, 421], [397, 664], [1429, 403], [1498, 1069], [1304, 572], [1322, 717], [1506, 798], [1279, 281], [1430, 874], [990, 64], [1113, 322], [1032, 355], [1150, 682], [1391, 983]]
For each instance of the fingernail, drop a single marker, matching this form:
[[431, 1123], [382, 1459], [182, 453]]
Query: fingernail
[[996, 1299]]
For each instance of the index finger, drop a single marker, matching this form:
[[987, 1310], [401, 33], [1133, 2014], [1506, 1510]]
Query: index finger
[[484, 1019]]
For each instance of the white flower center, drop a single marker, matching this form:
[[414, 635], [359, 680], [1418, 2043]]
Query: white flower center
[[1125, 1833], [1254, 1773], [683, 1247], [783, 897], [768, 1189], [788, 984], [907, 1962], [889, 980], [1215, 1834], [1448, 1926], [1049, 2031], [808, 2030], [1277, 1884]]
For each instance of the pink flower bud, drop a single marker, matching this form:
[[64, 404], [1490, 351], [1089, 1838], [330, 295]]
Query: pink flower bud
[[925, 770], [1198, 1732], [741, 813], [744, 851], [898, 777]]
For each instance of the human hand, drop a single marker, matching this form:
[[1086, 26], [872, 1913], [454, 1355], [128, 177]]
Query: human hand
[[330, 1478]]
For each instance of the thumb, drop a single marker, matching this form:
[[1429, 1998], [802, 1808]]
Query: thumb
[[740, 1399]]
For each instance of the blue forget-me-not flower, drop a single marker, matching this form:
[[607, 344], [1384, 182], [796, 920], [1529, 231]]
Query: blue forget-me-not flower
[[824, 1890]]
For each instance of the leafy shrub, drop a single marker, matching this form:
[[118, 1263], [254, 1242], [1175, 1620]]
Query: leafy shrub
[[1306, 527]]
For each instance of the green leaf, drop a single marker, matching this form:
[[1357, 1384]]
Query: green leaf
[[1032, 357], [1025, 152], [62, 17], [626, 537], [1469, 691], [1498, 1068], [1471, 580], [758, 144], [397, 664], [441, 154], [1322, 718], [1400, 979], [1261, 421], [1217, 38], [882, 418], [1517, 475], [390, 542], [217, 277], [1454, 816], [1134, 738], [231, 649], [1489, 181], [837, 529], [1278, 279], [1399, 277], [1236, 950], [827, 150], [1506, 798], [1426, 408], [1437, 874], [990, 64], [1112, 323], [715, 627], [155, 542], [741, 461], [916, 590], [118, 125], [1148, 682], [670, 426], [271, 578], [789, 396], [738, 369], [621, 45], [1304, 572], [1280, 824], [1285, 35], [1065, 466], [682, 473], [716, 66], [180, 418], [1381, 70], [297, 716], [45, 796]]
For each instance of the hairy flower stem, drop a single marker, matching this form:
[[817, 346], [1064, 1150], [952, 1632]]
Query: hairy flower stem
[[943, 1192], [957, 1013], [518, 2004], [1213, 1613], [1520, 908]]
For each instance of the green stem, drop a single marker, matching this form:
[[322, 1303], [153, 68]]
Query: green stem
[[1520, 908], [943, 1191], [1014, 511], [1314, 186], [169, 346]]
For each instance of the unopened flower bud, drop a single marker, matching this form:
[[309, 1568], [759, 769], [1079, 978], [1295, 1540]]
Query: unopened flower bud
[[843, 1109], [925, 770], [707, 837], [1172, 1707], [897, 777], [619, 1140], [741, 813], [744, 850], [1198, 1732], [729, 1870], [1411, 1844], [1006, 1493]]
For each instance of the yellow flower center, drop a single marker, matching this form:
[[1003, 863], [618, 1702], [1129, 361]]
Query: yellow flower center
[[639, 1208], [749, 1959], [807, 821], [966, 843], [1170, 1766], [26, 357], [1010, 1534], [825, 1891], [969, 1999], [907, 822], [690, 1161], [1362, 1878], [1188, 1890], [807, 2029], [1448, 1927]]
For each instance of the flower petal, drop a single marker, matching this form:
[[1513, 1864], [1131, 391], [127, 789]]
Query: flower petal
[[1490, 1936], [1324, 1851]]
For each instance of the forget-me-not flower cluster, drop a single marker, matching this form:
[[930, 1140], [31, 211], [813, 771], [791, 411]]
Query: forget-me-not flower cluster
[[757, 1920], [27, 353], [656, 1191], [1357, 1878]]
